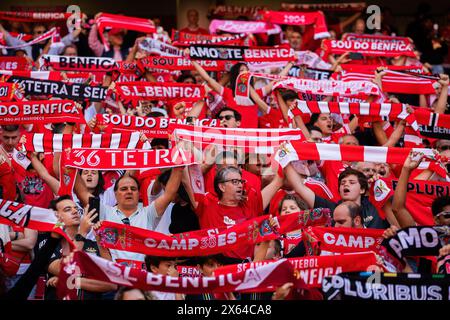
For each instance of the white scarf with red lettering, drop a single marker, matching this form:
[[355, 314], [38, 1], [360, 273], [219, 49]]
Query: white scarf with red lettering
[[123, 22], [299, 19], [237, 26]]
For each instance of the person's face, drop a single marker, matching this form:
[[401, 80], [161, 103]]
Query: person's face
[[332, 34], [444, 145], [315, 136], [368, 168], [360, 26], [192, 17], [295, 40], [383, 169], [227, 119], [133, 294], [208, 268], [324, 123], [442, 220], [127, 193], [67, 212], [165, 268], [243, 68], [70, 52], [350, 189], [10, 140], [90, 178], [289, 206], [232, 190], [343, 219], [350, 141], [189, 81], [116, 40], [38, 31]]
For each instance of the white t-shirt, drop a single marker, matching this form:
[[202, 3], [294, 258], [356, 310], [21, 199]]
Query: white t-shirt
[[166, 218]]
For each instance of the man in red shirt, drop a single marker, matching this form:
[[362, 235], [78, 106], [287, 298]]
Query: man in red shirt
[[193, 27], [234, 204]]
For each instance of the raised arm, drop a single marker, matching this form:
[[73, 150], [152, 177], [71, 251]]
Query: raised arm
[[170, 191], [402, 215], [296, 181], [270, 190], [217, 87], [52, 182], [440, 105]]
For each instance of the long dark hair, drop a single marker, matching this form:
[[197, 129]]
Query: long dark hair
[[234, 73], [100, 188]]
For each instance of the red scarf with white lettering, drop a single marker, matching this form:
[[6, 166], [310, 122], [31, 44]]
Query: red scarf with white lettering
[[179, 63], [151, 127], [14, 63], [312, 270], [180, 38], [57, 142], [106, 20], [135, 91], [47, 35], [346, 240], [317, 19], [262, 279], [419, 197], [205, 242], [71, 63], [34, 16], [235, 11], [370, 48], [261, 141], [352, 6], [42, 111]]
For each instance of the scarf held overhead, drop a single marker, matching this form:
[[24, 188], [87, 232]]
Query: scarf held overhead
[[375, 48], [237, 26]]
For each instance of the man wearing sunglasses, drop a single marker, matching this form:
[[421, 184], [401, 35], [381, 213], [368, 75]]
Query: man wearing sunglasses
[[229, 118]]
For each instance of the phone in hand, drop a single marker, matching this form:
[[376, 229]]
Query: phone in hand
[[355, 56], [94, 203]]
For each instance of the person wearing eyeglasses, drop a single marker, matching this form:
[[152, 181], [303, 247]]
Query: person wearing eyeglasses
[[234, 204], [229, 118]]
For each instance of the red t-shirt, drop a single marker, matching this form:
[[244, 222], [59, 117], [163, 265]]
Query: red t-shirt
[[7, 182], [197, 31], [212, 214], [253, 181], [249, 113]]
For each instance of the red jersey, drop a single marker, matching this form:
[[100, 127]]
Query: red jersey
[[252, 181], [212, 214], [196, 31]]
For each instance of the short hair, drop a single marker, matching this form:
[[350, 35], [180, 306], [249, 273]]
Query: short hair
[[354, 209], [341, 139], [439, 203], [116, 185], [10, 128], [155, 114], [362, 179], [186, 76], [301, 204], [314, 118], [221, 176], [122, 290], [311, 127], [202, 260], [289, 95], [156, 260], [160, 141], [236, 114], [70, 46], [55, 202]]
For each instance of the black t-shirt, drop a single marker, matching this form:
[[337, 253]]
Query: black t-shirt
[[371, 219], [183, 219]]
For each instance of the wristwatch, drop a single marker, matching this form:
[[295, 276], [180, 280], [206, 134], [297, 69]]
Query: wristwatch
[[79, 237]]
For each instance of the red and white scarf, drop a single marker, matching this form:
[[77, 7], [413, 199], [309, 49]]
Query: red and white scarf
[[394, 81], [312, 270], [235, 11], [419, 197], [34, 16], [14, 63], [8, 91], [42, 111], [375, 48], [151, 127], [299, 19], [125, 159], [179, 63], [355, 89], [106, 20], [180, 38], [57, 142], [47, 35], [155, 46], [261, 279], [391, 110], [205, 242], [74, 63], [237, 26], [160, 91], [347, 6], [248, 54], [261, 141], [294, 151]]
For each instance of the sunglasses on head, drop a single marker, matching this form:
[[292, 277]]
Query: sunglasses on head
[[227, 117]]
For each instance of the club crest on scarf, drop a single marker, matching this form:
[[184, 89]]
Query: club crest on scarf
[[112, 236], [256, 230], [381, 190]]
